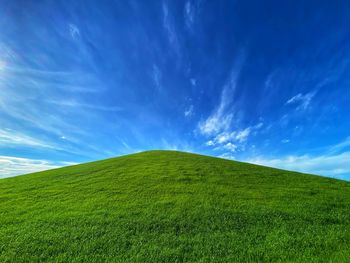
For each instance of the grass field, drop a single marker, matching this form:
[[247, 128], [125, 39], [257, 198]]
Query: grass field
[[166, 206]]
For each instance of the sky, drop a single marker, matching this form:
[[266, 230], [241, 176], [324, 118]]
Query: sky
[[266, 82]]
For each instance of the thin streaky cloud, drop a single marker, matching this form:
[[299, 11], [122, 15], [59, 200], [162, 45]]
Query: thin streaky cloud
[[302, 101], [89, 106], [170, 29], [221, 119], [336, 165], [189, 112], [10, 137], [157, 76], [74, 31], [12, 166], [189, 14]]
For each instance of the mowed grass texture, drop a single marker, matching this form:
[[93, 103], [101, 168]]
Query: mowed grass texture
[[167, 206]]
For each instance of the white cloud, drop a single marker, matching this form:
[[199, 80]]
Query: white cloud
[[220, 120], [303, 101], [10, 137], [224, 137], [259, 125], [215, 123], [336, 165], [125, 145], [210, 143], [21, 101], [238, 136], [170, 30], [228, 156], [12, 166], [76, 104], [157, 75], [193, 81], [344, 145], [284, 120], [242, 136], [189, 111], [74, 31], [230, 146], [233, 140], [189, 15], [7, 54]]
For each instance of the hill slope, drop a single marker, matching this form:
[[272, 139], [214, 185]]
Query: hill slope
[[165, 206]]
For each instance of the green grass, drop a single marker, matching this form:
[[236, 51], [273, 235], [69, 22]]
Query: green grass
[[166, 206]]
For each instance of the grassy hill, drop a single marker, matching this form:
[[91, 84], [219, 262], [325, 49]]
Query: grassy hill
[[166, 206]]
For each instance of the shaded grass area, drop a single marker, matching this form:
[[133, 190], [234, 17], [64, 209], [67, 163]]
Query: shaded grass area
[[167, 206]]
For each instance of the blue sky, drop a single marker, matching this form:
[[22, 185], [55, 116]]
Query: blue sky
[[266, 82]]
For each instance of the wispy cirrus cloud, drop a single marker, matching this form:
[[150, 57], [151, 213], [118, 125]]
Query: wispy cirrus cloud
[[23, 89], [10, 137], [302, 101], [221, 118], [52, 118], [157, 77], [335, 165], [189, 14], [12, 166], [72, 103], [242, 136], [223, 134], [33, 97], [340, 147], [170, 29], [74, 31], [189, 112]]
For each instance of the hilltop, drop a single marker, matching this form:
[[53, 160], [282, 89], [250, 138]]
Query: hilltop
[[167, 206]]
